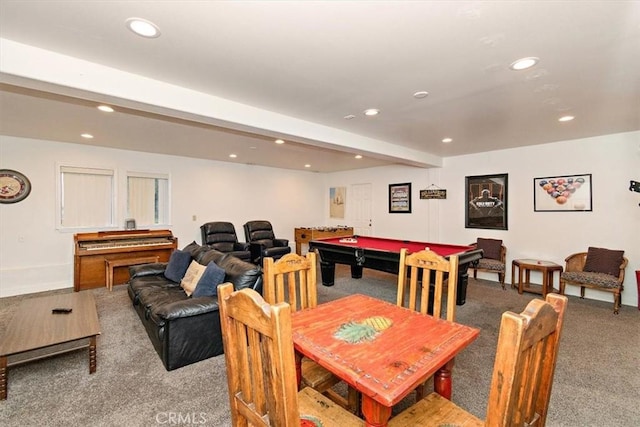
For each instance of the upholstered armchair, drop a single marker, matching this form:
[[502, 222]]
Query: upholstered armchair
[[263, 242], [598, 268], [493, 259], [222, 237]]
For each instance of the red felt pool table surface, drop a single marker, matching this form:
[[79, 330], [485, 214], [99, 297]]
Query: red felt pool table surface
[[394, 245]]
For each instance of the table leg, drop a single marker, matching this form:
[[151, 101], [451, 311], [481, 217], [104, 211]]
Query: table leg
[[638, 284], [298, 368], [463, 282], [513, 275], [356, 271], [545, 283], [3, 378], [328, 273], [520, 280], [299, 248], [442, 383], [375, 414], [92, 354]]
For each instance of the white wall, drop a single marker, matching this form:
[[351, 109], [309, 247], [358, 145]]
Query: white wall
[[613, 160], [34, 256]]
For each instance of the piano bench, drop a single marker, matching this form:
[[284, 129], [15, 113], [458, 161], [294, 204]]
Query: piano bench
[[126, 262]]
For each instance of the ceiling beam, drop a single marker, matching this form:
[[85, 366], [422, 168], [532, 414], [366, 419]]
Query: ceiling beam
[[45, 70]]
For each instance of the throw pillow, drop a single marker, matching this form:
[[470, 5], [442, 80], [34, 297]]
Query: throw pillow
[[178, 264], [601, 260], [208, 284], [491, 247], [191, 277]]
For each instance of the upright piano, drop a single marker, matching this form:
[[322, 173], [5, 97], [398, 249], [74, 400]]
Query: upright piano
[[93, 249]]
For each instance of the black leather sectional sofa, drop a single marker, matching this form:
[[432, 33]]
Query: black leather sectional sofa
[[184, 329]]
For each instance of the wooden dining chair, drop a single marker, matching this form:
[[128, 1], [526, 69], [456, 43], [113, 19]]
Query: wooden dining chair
[[292, 279], [522, 374], [416, 273], [260, 361]]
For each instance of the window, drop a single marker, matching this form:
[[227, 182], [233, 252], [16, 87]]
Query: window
[[148, 198], [86, 197]]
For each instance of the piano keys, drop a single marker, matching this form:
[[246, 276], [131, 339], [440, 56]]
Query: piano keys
[[93, 249]]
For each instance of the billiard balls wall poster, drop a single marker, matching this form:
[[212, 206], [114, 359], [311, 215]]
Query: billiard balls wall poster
[[562, 193]]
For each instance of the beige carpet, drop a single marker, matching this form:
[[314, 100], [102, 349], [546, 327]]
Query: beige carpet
[[597, 380]]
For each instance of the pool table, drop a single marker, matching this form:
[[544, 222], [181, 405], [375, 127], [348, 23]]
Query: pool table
[[384, 255]]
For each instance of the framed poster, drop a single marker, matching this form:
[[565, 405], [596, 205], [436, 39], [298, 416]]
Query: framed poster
[[486, 201], [337, 200], [562, 193], [400, 198]]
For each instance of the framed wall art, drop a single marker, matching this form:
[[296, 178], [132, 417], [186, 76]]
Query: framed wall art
[[400, 198], [486, 201], [337, 201], [562, 193]]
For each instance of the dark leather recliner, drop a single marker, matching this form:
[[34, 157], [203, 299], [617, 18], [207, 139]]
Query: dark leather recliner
[[222, 237], [263, 243]]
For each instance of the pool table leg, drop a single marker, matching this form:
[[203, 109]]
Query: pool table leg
[[463, 281], [356, 272], [328, 272]]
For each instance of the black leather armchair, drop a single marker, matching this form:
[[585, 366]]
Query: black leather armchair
[[222, 237], [263, 243]]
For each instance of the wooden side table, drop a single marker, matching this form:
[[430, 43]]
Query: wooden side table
[[525, 266], [125, 262]]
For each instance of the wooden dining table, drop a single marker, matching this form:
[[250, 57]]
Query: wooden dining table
[[382, 350]]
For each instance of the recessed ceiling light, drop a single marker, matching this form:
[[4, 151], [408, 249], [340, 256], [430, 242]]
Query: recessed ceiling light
[[279, 141], [371, 112], [358, 156], [105, 108], [349, 117], [421, 94], [143, 28], [233, 156], [524, 63], [566, 118], [87, 135], [307, 165], [447, 140]]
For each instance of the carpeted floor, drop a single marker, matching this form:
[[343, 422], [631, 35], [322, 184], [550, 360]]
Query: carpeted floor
[[597, 379]]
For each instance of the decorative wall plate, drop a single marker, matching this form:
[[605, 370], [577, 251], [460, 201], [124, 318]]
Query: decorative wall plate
[[14, 186]]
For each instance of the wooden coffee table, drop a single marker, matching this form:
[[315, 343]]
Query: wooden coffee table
[[35, 330]]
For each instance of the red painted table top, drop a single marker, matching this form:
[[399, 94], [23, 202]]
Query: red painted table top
[[394, 245], [381, 349]]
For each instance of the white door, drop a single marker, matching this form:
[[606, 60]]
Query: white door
[[360, 203]]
